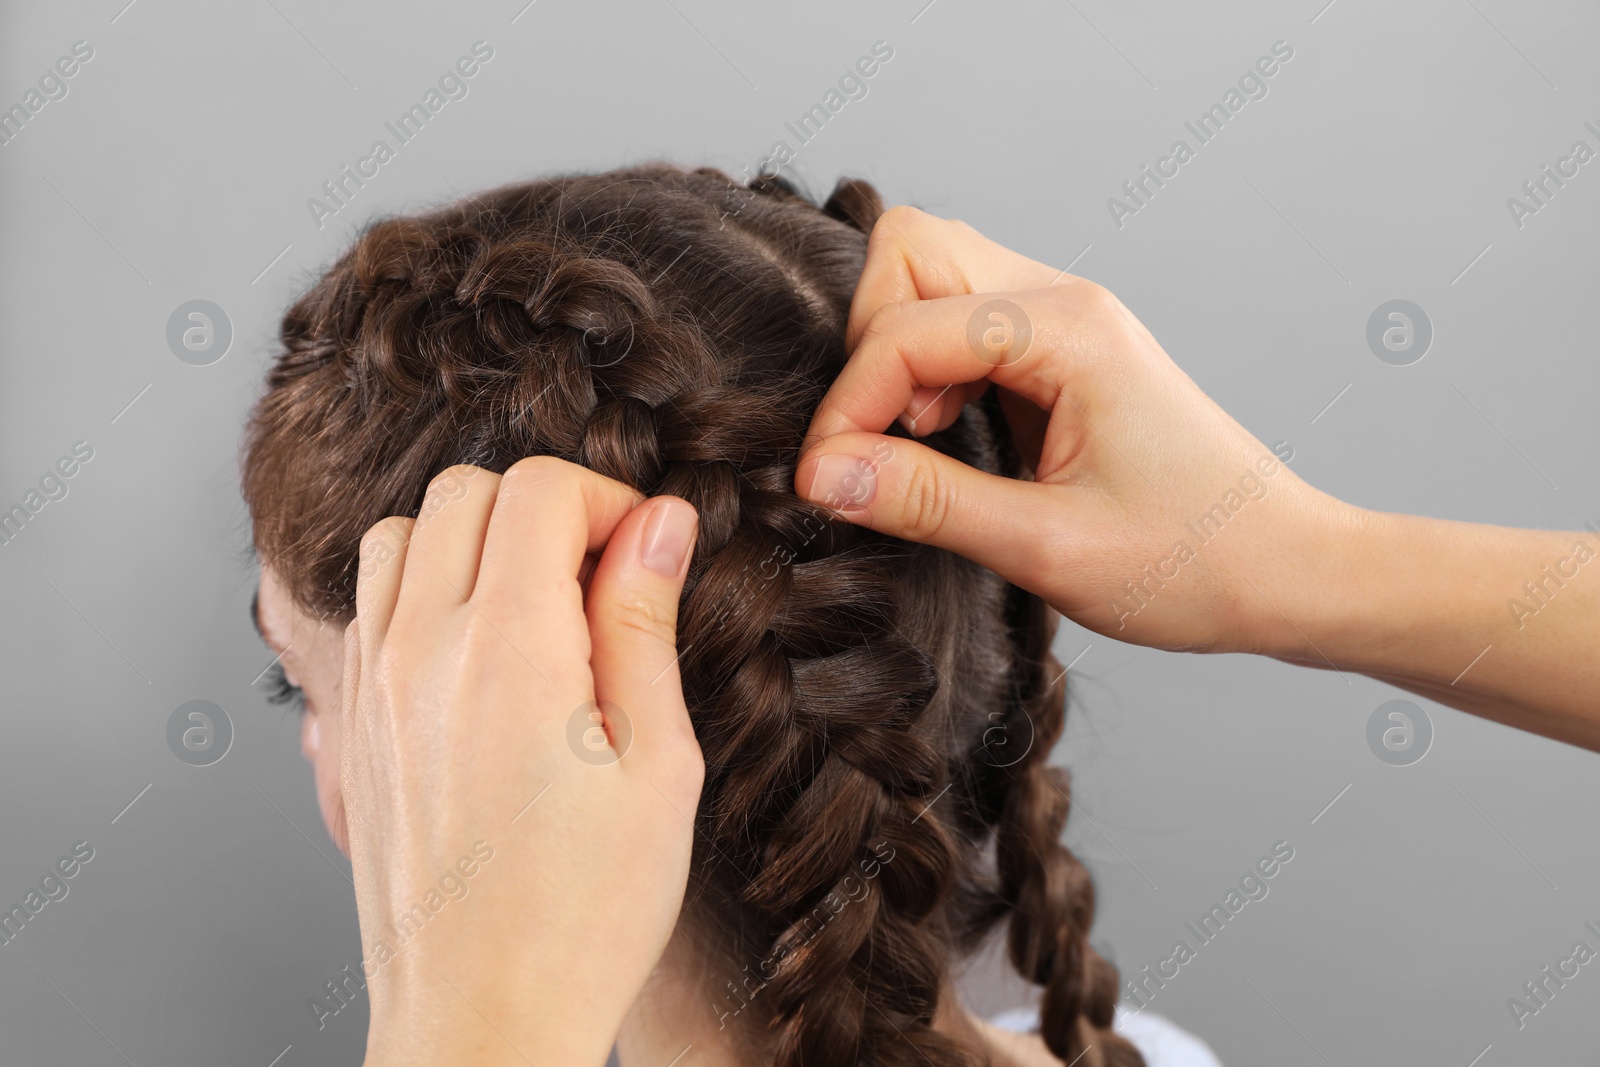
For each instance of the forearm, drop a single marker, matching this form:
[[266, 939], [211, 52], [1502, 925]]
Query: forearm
[[1500, 622]]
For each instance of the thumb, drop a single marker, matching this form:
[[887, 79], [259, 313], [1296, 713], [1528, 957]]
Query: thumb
[[632, 610], [908, 490]]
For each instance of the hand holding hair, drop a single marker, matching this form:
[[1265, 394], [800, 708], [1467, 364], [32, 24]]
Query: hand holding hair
[[1154, 517], [471, 664]]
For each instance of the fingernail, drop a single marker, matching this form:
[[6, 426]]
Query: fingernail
[[843, 482], [668, 537]]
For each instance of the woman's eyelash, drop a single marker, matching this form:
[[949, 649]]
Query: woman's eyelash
[[279, 691]]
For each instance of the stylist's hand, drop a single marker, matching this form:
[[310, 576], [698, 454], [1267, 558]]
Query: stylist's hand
[[471, 668], [1153, 516]]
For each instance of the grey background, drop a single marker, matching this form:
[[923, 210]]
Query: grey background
[[1377, 168]]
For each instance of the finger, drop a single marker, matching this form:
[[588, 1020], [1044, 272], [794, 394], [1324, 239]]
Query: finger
[[351, 679], [548, 514], [632, 612], [349, 741], [1021, 341], [908, 490], [913, 255], [932, 410], [447, 540], [378, 575]]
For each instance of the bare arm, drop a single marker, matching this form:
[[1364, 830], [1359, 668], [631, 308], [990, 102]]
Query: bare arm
[[1500, 622], [1153, 517]]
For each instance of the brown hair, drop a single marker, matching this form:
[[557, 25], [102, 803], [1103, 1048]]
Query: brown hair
[[876, 716]]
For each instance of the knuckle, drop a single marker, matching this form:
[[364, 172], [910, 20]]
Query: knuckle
[[448, 485], [685, 775], [925, 503], [895, 225], [391, 528], [1097, 299], [539, 474], [452, 481], [536, 467], [897, 218], [1061, 303], [382, 542], [1063, 295], [905, 219], [640, 614], [882, 323]]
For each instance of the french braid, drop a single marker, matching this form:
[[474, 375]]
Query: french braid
[[674, 330]]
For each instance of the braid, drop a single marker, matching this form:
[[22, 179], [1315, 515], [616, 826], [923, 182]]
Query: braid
[[629, 322], [1047, 889]]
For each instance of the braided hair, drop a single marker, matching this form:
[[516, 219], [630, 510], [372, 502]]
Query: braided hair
[[876, 716]]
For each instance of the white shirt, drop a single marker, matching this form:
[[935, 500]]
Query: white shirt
[[1162, 1042]]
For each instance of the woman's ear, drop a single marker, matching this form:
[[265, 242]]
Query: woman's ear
[[321, 741]]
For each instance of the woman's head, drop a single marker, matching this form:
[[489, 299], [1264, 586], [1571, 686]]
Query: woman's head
[[876, 716]]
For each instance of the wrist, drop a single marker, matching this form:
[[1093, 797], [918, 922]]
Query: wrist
[[1348, 594], [1397, 595], [1307, 586]]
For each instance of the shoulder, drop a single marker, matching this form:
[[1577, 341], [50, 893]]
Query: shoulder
[[1162, 1042]]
